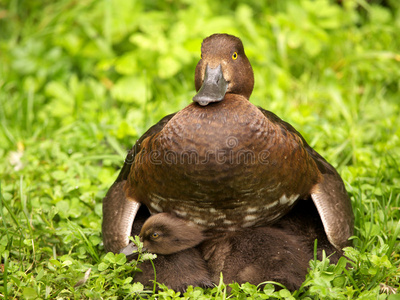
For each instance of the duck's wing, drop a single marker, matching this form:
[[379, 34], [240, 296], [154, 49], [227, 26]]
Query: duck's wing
[[329, 194], [119, 212], [334, 207]]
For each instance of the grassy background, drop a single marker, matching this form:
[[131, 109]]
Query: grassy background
[[80, 81]]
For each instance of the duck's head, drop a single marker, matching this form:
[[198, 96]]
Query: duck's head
[[223, 69], [166, 234]]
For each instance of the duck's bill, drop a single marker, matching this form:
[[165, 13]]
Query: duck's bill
[[129, 250], [214, 87]]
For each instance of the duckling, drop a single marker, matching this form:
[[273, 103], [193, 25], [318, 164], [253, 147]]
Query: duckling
[[278, 253], [178, 263], [256, 255], [304, 222]]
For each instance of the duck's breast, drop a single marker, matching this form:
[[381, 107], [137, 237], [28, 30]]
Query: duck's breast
[[226, 161]]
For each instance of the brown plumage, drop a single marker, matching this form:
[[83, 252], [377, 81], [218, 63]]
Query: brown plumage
[[178, 264], [256, 255], [222, 163], [280, 252]]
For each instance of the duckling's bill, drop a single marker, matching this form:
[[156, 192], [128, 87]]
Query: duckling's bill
[[213, 88], [129, 250]]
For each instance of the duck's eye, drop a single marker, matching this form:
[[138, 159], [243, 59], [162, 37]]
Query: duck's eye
[[234, 55], [155, 235]]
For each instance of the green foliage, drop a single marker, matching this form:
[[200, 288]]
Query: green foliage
[[80, 81], [356, 276]]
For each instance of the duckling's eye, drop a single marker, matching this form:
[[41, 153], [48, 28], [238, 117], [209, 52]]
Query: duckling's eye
[[234, 55], [155, 235]]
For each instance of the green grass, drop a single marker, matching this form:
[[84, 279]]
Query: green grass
[[80, 81]]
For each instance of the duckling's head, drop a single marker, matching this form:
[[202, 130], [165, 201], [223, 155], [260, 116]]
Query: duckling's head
[[165, 234], [223, 69]]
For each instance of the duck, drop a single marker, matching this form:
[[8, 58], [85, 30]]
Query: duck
[[178, 263], [224, 164]]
